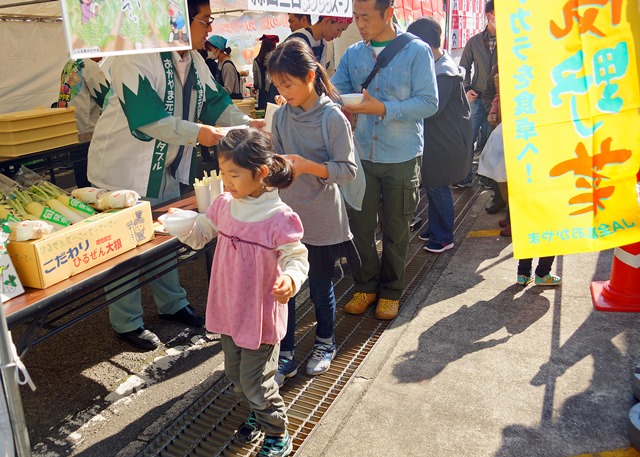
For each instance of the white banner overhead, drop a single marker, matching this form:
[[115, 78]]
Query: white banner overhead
[[340, 8]]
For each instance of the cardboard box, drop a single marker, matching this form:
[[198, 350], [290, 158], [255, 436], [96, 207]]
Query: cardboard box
[[10, 285], [41, 263]]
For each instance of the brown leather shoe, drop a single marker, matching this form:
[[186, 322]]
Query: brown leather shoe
[[359, 303], [387, 309]]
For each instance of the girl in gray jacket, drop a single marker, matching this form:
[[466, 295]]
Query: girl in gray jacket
[[311, 132]]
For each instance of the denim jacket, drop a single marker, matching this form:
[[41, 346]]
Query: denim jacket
[[406, 86]]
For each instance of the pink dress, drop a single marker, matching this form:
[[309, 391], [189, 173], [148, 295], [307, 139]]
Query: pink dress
[[245, 267]]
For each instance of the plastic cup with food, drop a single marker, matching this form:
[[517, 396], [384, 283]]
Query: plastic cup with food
[[352, 99], [178, 222]]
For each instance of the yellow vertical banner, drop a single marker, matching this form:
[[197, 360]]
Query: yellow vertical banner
[[570, 98]]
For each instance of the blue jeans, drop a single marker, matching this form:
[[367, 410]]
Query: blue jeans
[[479, 120], [323, 298], [441, 214], [480, 136]]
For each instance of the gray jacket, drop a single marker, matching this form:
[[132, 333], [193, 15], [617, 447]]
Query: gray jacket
[[476, 53], [317, 201]]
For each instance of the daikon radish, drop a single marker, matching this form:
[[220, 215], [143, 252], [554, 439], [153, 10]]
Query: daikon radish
[[38, 210], [89, 195], [29, 230], [117, 199], [56, 199]]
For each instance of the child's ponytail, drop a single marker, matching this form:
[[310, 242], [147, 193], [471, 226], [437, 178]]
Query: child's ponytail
[[280, 173], [252, 149]]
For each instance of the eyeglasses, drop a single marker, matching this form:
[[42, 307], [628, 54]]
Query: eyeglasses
[[207, 23]]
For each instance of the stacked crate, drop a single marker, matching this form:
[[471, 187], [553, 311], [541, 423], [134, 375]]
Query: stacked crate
[[247, 106], [35, 130]]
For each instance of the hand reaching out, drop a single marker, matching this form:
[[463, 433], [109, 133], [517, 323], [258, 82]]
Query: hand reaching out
[[257, 124], [209, 136]]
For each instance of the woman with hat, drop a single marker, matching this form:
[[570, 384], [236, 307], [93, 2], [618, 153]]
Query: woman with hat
[[228, 73], [261, 81]]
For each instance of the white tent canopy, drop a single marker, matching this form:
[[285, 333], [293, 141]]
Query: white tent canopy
[[34, 50], [53, 8], [46, 9]]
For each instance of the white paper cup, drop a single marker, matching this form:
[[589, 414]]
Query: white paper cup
[[203, 197], [216, 188]]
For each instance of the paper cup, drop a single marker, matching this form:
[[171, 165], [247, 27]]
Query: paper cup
[[203, 197], [216, 188]]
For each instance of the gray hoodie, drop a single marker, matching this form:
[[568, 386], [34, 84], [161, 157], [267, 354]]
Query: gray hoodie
[[317, 201]]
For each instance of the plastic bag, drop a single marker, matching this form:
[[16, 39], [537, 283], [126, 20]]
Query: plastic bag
[[492, 164]]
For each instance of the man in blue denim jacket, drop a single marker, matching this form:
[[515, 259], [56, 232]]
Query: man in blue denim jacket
[[390, 133]]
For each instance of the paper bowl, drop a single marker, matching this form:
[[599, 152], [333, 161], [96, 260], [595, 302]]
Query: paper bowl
[[352, 99], [178, 222]]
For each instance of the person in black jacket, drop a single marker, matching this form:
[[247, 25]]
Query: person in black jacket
[[448, 139]]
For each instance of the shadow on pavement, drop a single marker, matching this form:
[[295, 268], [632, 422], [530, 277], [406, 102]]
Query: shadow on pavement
[[463, 332]]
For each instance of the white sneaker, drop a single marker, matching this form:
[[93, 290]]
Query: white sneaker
[[321, 358]]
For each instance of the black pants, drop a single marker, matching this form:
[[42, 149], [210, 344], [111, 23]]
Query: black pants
[[542, 270]]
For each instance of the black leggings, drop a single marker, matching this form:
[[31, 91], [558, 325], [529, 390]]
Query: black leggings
[[542, 270]]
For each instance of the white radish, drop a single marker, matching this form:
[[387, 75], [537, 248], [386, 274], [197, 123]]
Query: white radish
[[67, 212], [88, 195]]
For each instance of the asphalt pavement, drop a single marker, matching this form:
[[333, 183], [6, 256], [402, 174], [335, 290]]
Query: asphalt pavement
[[474, 365]]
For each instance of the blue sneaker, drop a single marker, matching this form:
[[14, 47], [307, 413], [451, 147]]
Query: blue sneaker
[[523, 280], [276, 446], [287, 368], [249, 431], [548, 280], [321, 358], [424, 236]]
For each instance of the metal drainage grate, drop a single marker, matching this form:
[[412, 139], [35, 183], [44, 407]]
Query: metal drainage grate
[[207, 427]]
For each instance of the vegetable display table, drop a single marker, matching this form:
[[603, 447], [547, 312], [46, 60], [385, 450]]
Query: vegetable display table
[[49, 311]]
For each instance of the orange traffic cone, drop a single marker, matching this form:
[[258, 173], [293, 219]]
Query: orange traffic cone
[[622, 291]]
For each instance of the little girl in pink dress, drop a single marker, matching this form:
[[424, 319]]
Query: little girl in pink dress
[[259, 263]]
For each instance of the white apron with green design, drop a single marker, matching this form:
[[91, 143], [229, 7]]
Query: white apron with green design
[[146, 92]]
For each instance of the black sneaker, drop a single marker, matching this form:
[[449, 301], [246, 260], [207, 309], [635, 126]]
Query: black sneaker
[[497, 204], [466, 182], [276, 446], [141, 338], [249, 431], [485, 182]]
